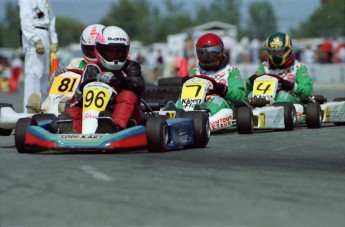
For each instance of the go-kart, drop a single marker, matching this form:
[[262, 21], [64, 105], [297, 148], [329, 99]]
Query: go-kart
[[198, 89], [62, 89], [334, 111], [269, 114], [158, 131]]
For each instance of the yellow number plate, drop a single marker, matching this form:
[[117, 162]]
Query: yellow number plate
[[95, 98], [64, 85], [263, 88], [193, 90]]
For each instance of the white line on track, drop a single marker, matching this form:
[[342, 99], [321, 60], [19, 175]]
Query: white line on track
[[280, 148], [96, 174]]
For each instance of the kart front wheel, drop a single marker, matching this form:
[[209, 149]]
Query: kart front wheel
[[20, 135], [202, 130], [313, 115], [157, 134], [244, 120]]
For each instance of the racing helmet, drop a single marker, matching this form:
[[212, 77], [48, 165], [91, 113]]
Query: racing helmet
[[210, 51], [279, 48], [112, 47], [87, 42]]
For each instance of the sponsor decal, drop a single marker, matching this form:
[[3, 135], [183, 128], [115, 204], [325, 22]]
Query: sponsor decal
[[276, 43], [221, 123], [190, 102], [96, 137], [117, 39], [89, 116]]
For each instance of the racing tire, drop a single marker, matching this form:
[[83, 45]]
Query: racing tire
[[46, 121], [202, 129], [67, 127], [170, 82], [313, 115], [20, 135], [157, 134], [244, 120], [289, 114], [3, 131]]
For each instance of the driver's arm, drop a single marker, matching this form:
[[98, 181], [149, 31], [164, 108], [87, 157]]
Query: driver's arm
[[236, 89], [304, 83]]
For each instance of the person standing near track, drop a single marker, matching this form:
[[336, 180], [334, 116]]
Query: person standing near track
[[37, 22]]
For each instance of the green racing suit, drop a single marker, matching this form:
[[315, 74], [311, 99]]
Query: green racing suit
[[228, 75], [299, 72]]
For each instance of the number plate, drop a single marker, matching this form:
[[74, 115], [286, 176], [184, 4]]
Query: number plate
[[96, 97], [265, 86], [65, 84], [193, 93]]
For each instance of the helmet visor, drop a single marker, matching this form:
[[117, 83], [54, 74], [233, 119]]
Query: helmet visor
[[276, 52], [208, 55], [89, 51], [113, 52]]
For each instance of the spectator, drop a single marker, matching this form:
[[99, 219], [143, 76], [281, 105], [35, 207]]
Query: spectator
[[37, 21]]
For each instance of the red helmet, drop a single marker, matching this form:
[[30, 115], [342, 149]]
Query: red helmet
[[209, 49]]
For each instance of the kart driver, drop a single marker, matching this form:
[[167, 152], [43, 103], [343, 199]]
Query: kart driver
[[281, 61], [213, 63], [112, 46]]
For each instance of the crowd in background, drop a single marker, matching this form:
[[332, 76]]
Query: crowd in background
[[248, 50]]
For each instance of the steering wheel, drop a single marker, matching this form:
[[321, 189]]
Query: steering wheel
[[213, 81], [82, 85], [280, 79]]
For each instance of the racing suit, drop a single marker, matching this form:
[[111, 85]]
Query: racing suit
[[295, 72], [37, 22], [127, 101], [225, 74]]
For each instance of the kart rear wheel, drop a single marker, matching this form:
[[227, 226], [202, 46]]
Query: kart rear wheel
[[3, 131], [20, 135], [244, 120], [313, 115], [157, 134], [202, 130], [289, 114]]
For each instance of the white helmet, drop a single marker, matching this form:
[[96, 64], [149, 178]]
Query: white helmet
[[112, 47], [87, 42]]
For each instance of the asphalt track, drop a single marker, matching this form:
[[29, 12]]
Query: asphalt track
[[279, 179]]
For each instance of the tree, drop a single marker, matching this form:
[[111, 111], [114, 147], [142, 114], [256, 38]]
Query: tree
[[68, 30], [226, 11], [262, 19], [327, 21], [131, 15], [10, 33]]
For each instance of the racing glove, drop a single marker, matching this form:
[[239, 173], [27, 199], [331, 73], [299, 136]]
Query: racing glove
[[54, 48], [39, 47], [252, 78], [78, 94], [220, 89], [110, 78], [287, 85]]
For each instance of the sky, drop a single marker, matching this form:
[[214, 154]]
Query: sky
[[289, 13]]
